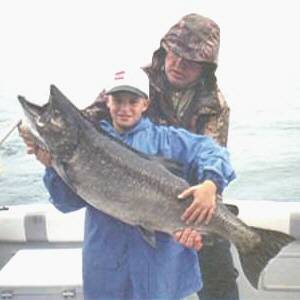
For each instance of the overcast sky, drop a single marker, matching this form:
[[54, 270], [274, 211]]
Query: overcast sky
[[76, 44]]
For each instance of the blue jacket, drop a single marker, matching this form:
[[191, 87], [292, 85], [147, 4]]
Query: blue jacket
[[117, 262]]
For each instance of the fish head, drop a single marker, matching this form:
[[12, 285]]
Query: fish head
[[56, 123]]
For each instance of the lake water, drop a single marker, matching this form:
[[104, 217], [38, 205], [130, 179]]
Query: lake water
[[264, 143]]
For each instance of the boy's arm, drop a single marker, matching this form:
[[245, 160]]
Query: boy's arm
[[202, 158], [207, 164], [62, 197]]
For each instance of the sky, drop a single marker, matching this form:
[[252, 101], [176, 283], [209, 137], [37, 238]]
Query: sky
[[76, 45]]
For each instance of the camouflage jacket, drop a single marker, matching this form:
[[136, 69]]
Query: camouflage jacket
[[207, 113], [98, 110]]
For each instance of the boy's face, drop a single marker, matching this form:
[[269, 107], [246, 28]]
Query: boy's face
[[126, 109]]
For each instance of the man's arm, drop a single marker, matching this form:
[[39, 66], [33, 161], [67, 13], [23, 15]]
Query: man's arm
[[216, 126], [97, 110]]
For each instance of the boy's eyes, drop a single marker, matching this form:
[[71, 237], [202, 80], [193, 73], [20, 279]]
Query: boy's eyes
[[131, 101], [134, 101]]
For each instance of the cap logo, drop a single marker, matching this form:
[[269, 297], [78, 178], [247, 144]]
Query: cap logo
[[132, 80], [119, 75]]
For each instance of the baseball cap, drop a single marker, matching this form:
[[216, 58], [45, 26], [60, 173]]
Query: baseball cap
[[130, 80]]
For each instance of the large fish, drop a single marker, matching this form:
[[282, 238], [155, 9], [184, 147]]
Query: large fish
[[134, 187]]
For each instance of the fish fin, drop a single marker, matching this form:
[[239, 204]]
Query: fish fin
[[148, 236], [256, 260], [233, 209]]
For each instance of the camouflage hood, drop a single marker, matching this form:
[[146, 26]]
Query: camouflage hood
[[195, 38]]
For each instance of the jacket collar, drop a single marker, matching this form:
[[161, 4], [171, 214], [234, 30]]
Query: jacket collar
[[142, 124]]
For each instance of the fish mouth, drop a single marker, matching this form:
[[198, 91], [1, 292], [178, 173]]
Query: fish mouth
[[34, 112], [48, 114]]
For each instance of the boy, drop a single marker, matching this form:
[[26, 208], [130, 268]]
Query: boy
[[117, 262]]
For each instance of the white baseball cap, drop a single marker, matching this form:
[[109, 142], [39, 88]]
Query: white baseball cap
[[131, 80]]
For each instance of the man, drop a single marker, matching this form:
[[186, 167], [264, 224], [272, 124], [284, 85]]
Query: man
[[117, 262], [184, 93]]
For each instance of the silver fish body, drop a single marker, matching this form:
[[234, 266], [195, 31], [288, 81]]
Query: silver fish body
[[135, 188]]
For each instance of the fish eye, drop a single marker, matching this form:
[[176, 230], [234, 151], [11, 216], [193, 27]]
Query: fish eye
[[40, 122], [56, 112], [56, 121]]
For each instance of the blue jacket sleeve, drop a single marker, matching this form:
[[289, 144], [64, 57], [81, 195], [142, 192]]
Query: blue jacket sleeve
[[61, 196], [202, 157]]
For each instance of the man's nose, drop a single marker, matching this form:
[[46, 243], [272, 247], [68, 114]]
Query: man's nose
[[178, 62]]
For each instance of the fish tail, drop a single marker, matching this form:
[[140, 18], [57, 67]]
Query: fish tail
[[255, 260]]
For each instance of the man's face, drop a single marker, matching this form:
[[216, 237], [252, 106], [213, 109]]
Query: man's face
[[180, 72], [126, 109]]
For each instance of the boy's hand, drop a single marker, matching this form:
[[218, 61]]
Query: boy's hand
[[189, 238], [41, 155], [25, 134], [203, 205]]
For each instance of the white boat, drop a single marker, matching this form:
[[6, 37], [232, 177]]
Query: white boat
[[40, 252]]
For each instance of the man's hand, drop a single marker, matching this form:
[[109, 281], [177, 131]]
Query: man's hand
[[203, 205], [189, 238]]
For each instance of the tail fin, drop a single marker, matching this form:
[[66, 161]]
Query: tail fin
[[256, 260]]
